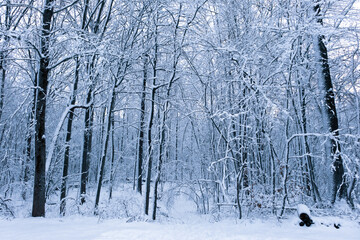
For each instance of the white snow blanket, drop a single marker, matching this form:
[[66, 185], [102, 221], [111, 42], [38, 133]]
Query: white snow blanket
[[199, 228]]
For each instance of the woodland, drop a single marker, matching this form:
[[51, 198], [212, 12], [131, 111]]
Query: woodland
[[248, 106]]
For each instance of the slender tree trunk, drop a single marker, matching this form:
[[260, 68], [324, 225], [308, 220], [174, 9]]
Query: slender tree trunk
[[162, 129], [3, 57], [285, 167], [67, 142], [38, 209], [177, 147], [314, 188], [28, 156], [273, 177], [29, 140], [85, 157], [162, 132], [151, 121], [149, 166], [89, 112], [105, 146], [87, 142], [2, 84], [88, 133], [238, 190], [112, 169], [160, 160], [141, 132]]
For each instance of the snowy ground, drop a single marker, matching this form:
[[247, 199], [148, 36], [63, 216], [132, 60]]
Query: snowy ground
[[92, 229], [184, 224]]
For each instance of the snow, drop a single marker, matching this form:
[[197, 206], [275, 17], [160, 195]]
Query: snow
[[182, 223], [301, 208], [90, 228]]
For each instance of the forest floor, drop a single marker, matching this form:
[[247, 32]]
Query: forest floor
[[182, 223], [85, 228]]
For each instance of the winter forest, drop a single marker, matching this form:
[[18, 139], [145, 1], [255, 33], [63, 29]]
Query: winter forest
[[115, 108]]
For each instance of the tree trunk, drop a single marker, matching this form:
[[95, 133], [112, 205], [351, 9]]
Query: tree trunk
[[177, 148], [339, 187], [141, 132], [150, 124], [2, 84], [149, 166], [112, 170], [87, 144], [67, 142], [38, 209], [162, 131], [284, 170], [29, 140], [314, 188], [3, 58], [104, 148], [89, 113], [160, 159]]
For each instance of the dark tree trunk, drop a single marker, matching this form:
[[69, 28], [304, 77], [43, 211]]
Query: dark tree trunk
[[177, 147], [160, 159], [87, 142], [314, 188], [38, 209], [149, 167], [162, 129], [67, 142], [162, 140], [29, 140], [2, 84], [151, 121], [330, 108], [141, 132], [3, 58], [112, 170], [104, 148], [339, 187], [89, 112]]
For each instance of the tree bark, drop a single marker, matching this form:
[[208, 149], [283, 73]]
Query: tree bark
[[339, 187], [161, 155], [149, 165], [29, 140], [314, 188], [38, 209], [3, 58], [89, 112], [67, 142], [141, 132], [104, 148], [149, 130], [112, 170]]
